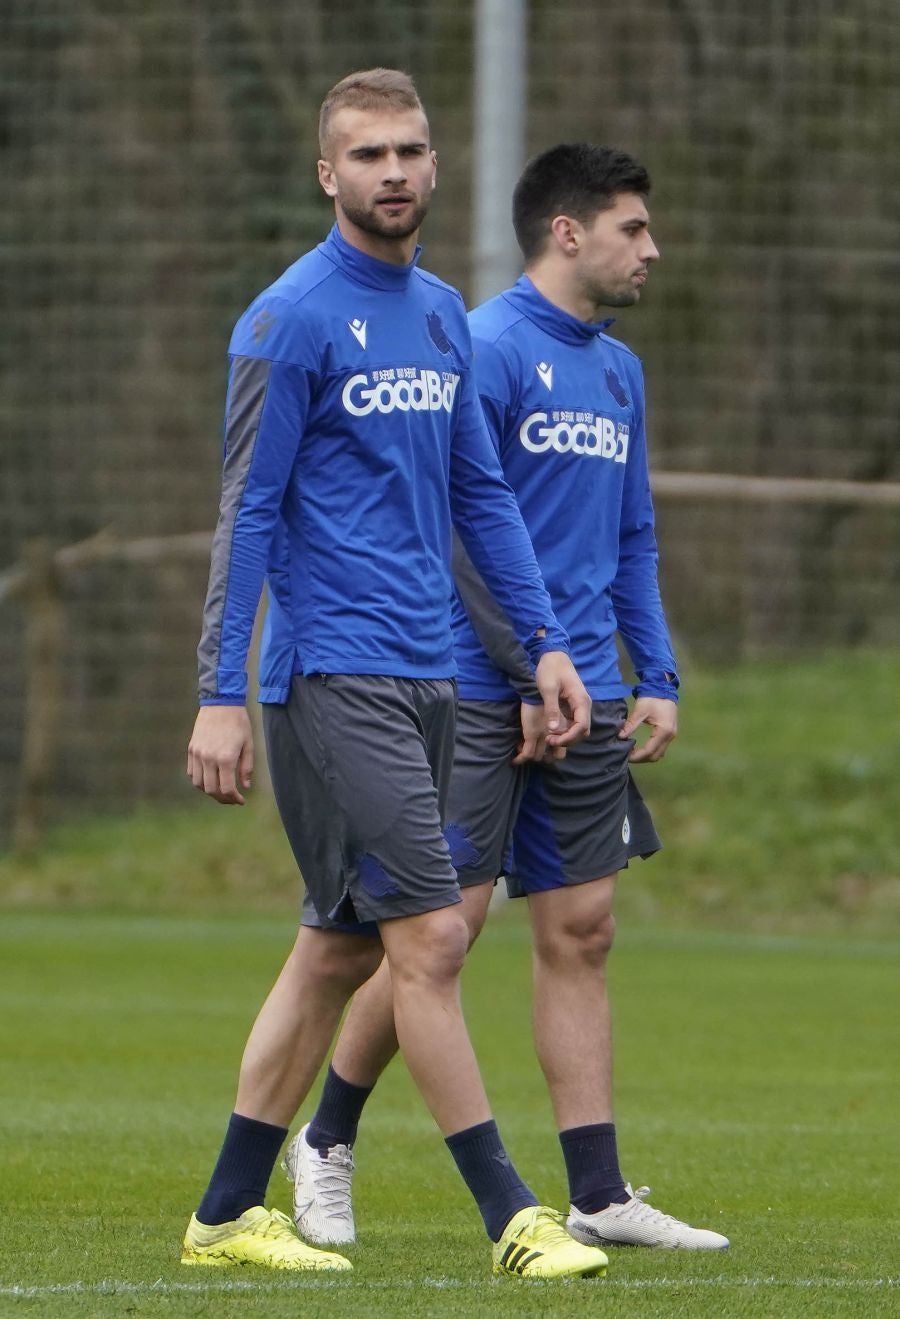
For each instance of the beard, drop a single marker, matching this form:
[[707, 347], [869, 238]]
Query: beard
[[372, 221], [616, 297]]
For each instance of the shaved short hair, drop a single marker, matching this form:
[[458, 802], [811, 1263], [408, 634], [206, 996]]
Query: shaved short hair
[[372, 89], [578, 179]]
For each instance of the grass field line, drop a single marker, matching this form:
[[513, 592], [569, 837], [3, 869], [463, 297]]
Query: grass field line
[[213, 1286]]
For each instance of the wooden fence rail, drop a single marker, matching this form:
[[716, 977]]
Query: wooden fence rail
[[37, 581]]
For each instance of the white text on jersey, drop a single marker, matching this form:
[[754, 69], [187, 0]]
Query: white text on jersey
[[403, 389], [596, 437]]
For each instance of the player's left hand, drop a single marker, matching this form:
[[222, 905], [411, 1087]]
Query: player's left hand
[[560, 686], [659, 715], [534, 737]]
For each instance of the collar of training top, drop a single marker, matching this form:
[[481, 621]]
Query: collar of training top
[[366, 269], [547, 316]]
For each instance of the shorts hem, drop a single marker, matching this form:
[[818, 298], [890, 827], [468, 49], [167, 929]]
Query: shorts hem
[[368, 920], [517, 887], [475, 881]]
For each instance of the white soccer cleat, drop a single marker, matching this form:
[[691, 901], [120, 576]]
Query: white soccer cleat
[[323, 1204], [636, 1223]]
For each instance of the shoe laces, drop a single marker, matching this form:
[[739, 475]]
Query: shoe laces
[[638, 1209], [548, 1227], [279, 1226], [333, 1177]]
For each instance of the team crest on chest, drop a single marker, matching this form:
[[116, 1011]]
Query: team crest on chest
[[616, 388], [437, 332]]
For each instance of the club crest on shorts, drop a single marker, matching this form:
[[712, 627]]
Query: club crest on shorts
[[626, 831]]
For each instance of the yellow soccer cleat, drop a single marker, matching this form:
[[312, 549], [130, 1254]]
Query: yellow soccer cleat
[[536, 1244], [259, 1236]]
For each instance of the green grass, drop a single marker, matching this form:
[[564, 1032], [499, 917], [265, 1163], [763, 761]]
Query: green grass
[[778, 806], [757, 1082], [756, 1049]]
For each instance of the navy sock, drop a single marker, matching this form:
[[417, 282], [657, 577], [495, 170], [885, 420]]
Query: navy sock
[[592, 1163], [337, 1118], [488, 1172], [242, 1173]]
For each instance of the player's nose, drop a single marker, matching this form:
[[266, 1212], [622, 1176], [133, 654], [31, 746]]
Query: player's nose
[[395, 169]]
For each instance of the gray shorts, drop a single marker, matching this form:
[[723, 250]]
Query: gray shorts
[[543, 826], [360, 767]]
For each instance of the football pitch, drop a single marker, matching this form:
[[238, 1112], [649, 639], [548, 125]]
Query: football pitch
[[757, 1082]]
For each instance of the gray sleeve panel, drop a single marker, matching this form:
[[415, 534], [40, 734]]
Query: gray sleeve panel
[[493, 628], [247, 388]]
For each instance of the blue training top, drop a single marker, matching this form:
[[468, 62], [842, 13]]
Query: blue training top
[[564, 404], [353, 437]]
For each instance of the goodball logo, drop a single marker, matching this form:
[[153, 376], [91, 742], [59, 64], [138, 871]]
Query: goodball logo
[[592, 436], [407, 391]]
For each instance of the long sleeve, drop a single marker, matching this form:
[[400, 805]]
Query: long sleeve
[[492, 626], [490, 526], [635, 588], [265, 418]]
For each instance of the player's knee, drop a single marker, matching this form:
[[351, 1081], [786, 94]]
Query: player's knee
[[586, 942], [438, 950], [345, 960], [364, 962], [448, 945], [592, 941]]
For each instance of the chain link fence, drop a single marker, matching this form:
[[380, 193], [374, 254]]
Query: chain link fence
[[158, 164]]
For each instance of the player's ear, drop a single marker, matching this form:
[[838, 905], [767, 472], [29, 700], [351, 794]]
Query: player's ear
[[326, 178], [566, 233], [433, 170]]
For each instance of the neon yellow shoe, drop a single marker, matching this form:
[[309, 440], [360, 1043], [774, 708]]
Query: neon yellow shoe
[[536, 1244], [259, 1236]]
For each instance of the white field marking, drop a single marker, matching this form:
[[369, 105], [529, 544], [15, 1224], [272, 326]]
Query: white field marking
[[113, 1288]]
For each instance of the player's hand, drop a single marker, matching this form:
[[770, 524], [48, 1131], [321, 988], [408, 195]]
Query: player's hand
[[661, 716], [534, 737], [220, 753], [560, 686]]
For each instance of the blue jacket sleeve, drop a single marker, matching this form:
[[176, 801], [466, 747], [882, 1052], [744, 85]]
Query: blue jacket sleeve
[[490, 526], [635, 589], [266, 410]]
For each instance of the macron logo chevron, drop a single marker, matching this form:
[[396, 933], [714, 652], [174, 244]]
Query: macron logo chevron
[[545, 371], [358, 330]]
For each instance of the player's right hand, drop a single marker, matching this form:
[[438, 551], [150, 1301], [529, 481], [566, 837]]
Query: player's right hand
[[220, 753], [560, 686]]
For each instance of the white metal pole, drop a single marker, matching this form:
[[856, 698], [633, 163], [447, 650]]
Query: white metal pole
[[499, 140]]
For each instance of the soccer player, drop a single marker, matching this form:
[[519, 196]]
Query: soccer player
[[565, 406], [354, 438]]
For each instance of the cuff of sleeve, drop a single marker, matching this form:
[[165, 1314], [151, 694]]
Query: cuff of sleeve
[[657, 682], [223, 687], [553, 638]]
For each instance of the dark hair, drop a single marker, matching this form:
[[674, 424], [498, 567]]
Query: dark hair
[[368, 89], [576, 179]]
